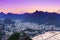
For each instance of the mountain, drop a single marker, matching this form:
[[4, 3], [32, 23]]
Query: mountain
[[39, 17], [8, 21]]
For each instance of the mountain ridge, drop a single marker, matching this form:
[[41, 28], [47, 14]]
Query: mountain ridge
[[39, 17]]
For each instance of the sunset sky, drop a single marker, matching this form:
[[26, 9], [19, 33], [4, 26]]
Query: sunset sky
[[21, 6]]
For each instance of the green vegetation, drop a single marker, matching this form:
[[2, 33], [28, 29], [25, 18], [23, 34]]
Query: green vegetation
[[14, 36], [19, 36]]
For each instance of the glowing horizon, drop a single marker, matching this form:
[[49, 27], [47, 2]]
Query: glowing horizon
[[21, 6]]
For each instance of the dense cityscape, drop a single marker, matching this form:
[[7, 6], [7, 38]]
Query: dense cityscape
[[9, 26]]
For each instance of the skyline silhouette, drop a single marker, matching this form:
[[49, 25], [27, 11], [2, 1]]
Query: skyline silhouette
[[30, 12]]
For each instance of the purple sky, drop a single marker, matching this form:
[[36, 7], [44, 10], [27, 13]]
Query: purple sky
[[20, 6]]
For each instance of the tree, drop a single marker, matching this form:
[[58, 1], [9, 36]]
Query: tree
[[26, 37], [19, 36], [14, 36], [0, 35]]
